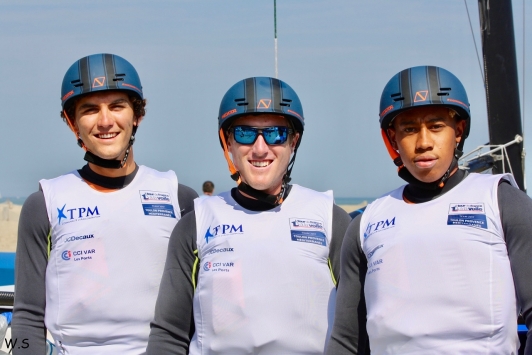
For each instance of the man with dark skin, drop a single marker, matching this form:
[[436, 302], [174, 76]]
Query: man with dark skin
[[441, 265]]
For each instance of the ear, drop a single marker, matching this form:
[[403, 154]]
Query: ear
[[137, 120], [294, 141], [391, 136], [459, 130]]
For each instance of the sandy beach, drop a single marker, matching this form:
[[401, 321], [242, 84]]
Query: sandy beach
[[9, 215]]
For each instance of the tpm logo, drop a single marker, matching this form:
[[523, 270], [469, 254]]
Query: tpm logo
[[65, 215], [378, 226], [222, 229]]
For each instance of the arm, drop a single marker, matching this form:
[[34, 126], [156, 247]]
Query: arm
[[173, 324], [185, 198], [516, 218], [30, 272], [340, 222], [349, 329]]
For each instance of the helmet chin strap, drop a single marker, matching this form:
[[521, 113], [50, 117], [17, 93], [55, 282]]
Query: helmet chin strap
[[110, 163], [274, 200], [96, 160]]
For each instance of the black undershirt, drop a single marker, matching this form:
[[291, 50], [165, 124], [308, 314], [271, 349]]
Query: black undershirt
[[418, 194]]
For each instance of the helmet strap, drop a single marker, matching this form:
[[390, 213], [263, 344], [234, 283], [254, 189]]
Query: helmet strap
[[438, 184]]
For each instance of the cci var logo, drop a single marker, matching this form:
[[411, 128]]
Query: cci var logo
[[67, 215], [222, 229]]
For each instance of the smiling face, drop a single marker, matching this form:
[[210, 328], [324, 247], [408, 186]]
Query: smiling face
[[262, 166], [105, 123], [425, 138]]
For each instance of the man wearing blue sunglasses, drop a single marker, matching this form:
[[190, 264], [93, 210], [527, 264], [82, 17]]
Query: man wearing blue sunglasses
[[254, 269]]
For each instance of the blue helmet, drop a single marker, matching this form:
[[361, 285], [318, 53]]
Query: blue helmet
[[100, 72], [261, 95], [422, 86]]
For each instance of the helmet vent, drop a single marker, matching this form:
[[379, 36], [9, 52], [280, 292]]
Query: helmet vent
[[77, 83], [284, 104], [443, 94], [287, 100], [397, 97], [119, 77]]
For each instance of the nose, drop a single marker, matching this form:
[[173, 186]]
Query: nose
[[105, 117], [424, 139], [260, 148]]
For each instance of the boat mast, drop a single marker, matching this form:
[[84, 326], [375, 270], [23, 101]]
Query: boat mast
[[275, 35], [501, 83]]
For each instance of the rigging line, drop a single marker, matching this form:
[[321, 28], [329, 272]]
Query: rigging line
[[524, 80], [275, 36], [475, 42]]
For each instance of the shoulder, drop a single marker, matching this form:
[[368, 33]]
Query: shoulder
[[34, 203], [170, 174], [303, 192], [72, 175], [186, 191]]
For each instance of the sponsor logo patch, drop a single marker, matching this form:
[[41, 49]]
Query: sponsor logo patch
[[67, 215], [222, 230], [156, 203], [79, 237], [467, 214], [78, 255], [307, 231], [218, 266], [379, 226], [221, 250]]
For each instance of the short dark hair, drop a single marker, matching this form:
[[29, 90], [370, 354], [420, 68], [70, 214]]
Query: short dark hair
[[139, 108], [208, 186]]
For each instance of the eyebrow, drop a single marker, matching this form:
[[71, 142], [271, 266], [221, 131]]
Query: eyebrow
[[90, 105], [414, 121]]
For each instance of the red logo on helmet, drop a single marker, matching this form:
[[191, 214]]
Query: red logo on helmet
[[386, 110], [228, 113], [295, 113], [264, 103], [421, 96], [67, 95], [98, 82], [458, 102], [132, 86]]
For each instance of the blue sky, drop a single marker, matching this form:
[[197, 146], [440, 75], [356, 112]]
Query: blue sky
[[336, 54]]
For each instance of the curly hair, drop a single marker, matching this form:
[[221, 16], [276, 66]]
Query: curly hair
[[139, 108]]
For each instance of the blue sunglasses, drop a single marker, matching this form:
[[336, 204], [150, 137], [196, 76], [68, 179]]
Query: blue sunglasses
[[272, 135]]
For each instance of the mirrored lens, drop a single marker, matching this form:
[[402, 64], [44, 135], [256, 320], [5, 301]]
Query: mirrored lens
[[272, 135]]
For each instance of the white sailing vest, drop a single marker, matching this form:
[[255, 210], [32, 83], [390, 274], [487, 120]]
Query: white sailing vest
[[439, 278], [106, 260], [264, 283]]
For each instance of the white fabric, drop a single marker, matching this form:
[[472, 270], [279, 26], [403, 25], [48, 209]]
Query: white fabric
[[439, 278], [107, 258], [264, 283]]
